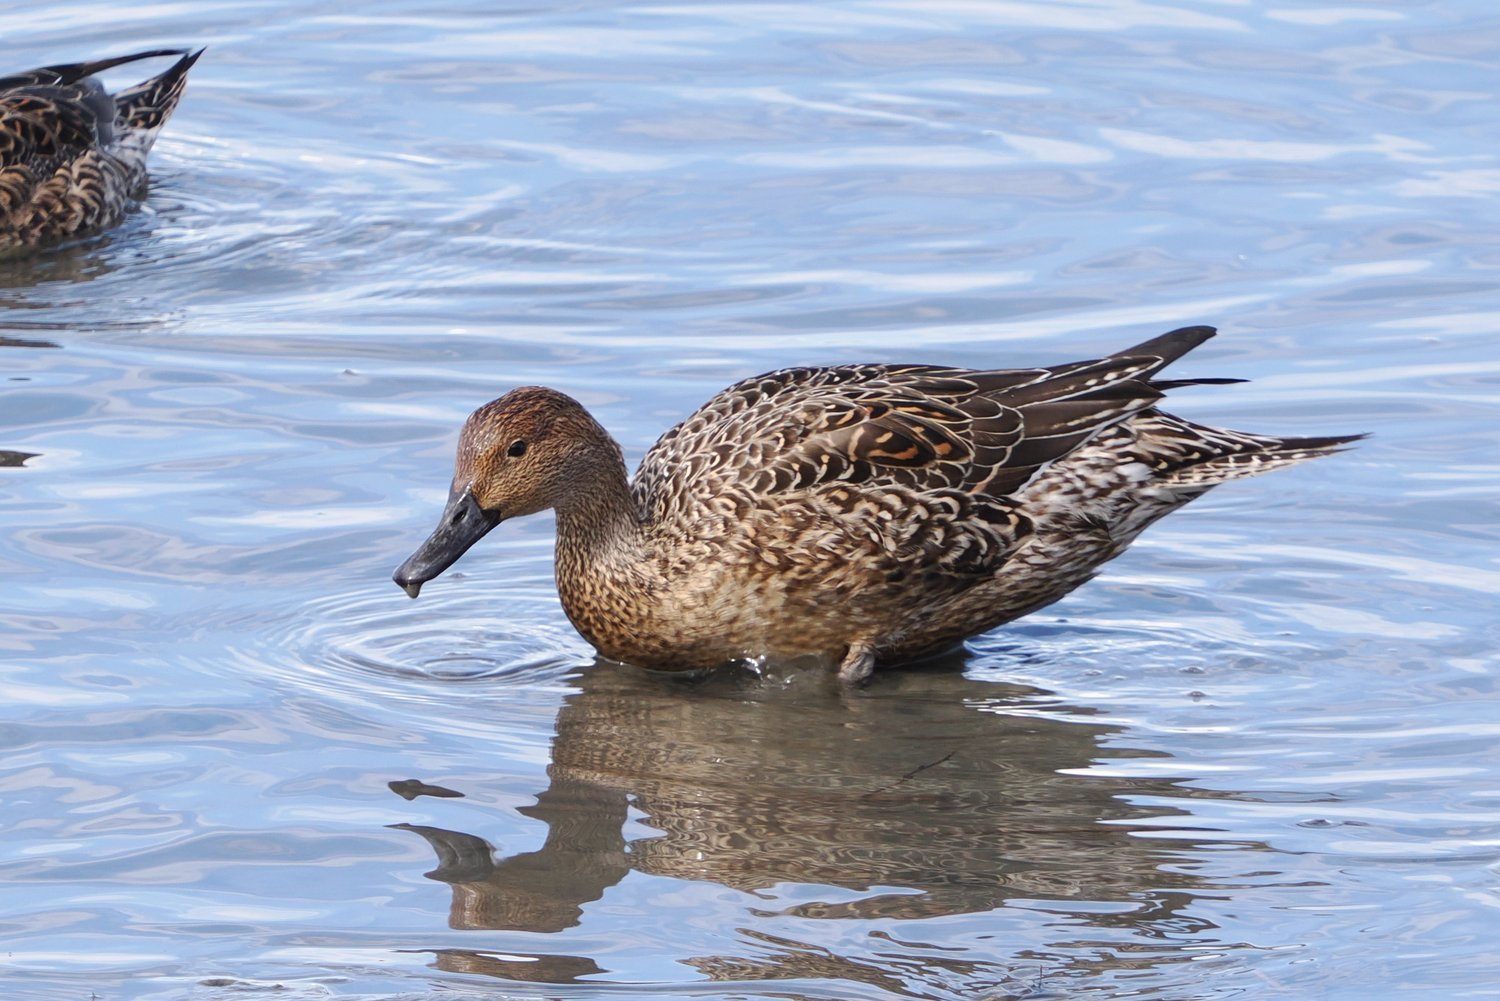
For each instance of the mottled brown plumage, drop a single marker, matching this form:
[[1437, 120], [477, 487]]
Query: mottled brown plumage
[[71, 155], [856, 513]]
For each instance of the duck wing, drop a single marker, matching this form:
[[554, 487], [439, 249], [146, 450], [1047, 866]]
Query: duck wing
[[927, 457], [45, 123]]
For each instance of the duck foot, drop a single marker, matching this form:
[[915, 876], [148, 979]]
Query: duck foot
[[857, 666]]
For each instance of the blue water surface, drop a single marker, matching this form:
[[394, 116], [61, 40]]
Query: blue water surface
[[1257, 758]]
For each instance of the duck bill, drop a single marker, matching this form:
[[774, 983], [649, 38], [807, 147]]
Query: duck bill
[[463, 523]]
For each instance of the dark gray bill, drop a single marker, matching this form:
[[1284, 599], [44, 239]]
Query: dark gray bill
[[463, 524]]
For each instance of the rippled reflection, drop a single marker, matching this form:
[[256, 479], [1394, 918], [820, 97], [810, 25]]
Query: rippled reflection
[[919, 798]]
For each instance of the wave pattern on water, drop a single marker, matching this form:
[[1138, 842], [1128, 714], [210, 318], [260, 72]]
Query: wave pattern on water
[[1257, 744]]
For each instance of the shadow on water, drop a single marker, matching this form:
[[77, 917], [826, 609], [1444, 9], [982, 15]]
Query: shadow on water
[[928, 795]]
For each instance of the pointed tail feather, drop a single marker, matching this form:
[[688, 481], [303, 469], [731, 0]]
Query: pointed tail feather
[[151, 102], [1253, 455]]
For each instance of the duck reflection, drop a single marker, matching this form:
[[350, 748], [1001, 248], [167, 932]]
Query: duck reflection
[[74, 263], [928, 794]]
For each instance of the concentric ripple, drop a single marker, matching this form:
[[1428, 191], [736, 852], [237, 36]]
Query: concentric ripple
[[371, 639]]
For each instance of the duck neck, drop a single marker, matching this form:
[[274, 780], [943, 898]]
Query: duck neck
[[598, 518], [604, 577]]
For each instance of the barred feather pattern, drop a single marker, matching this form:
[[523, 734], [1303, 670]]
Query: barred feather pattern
[[71, 155], [857, 513]]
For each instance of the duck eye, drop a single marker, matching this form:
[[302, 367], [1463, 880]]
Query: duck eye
[[517, 449]]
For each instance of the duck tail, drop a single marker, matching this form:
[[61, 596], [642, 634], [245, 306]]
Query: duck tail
[[149, 104], [1219, 455]]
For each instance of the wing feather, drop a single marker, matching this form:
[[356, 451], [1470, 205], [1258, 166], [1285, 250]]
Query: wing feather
[[926, 460]]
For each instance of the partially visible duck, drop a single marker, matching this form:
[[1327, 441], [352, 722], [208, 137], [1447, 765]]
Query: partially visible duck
[[859, 513], [71, 155]]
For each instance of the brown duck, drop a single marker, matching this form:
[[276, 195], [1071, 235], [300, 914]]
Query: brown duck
[[858, 513], [73, 156]]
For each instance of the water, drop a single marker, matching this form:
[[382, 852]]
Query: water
[[1256, 758]]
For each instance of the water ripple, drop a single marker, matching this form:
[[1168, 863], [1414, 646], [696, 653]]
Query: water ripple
[[421, 652], [1259, 742]]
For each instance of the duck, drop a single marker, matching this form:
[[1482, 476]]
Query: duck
[[860, 515], [72, 156]]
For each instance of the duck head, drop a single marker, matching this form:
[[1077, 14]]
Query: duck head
[[523, 453]]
